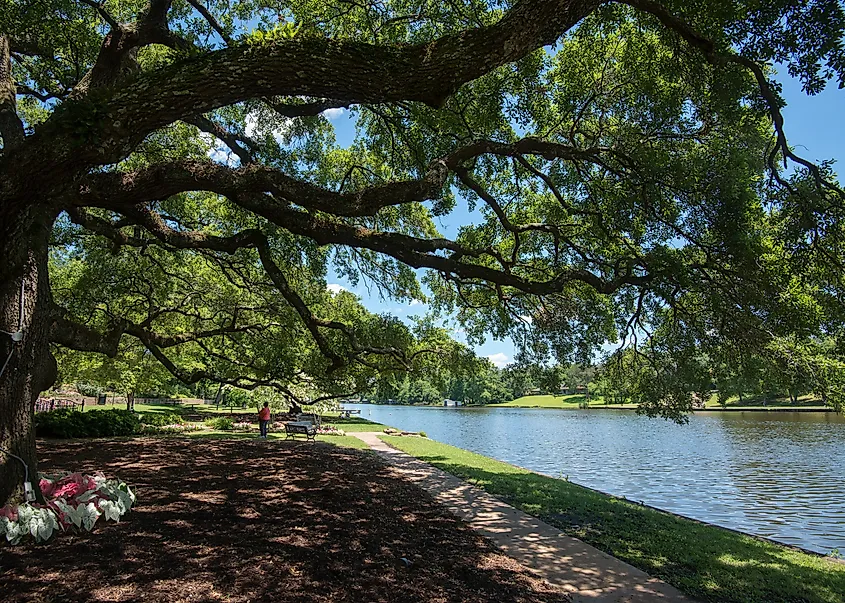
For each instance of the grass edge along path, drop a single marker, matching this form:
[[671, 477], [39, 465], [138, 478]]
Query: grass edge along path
[[701, 560]]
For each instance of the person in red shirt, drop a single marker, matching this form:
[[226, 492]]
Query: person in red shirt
[[264, 420]]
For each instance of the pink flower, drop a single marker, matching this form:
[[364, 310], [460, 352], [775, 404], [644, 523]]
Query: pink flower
[[47, 487], [9, 512], [69, 490]]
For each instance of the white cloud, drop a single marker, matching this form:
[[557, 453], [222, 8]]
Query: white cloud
[[526, 318], [335, 288], [218, 151], [252, 129], [416, 302], [499, 360], [208, 139], [333, 114]]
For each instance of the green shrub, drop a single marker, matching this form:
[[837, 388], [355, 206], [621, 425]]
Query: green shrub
[[89, 389], [220, 423], [161, 419], [68, 423], [237, 397]]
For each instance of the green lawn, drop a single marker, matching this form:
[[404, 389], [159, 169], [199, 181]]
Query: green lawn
[[569, 401], [353, 424], [808, 402], [346, 441], [573, 400], [703, 561]]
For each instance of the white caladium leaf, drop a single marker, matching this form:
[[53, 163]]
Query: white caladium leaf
[[90, 514], [130, 493], [74, 514], [45, 529], [33, 528], [14, 532], [87, 496], [112, 498], [110, 509]]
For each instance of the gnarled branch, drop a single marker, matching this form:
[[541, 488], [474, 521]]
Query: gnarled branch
[[11, 127]]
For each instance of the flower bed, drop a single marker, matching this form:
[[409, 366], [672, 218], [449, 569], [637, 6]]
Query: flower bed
[[242, 426], [173, 428], [74, 501]]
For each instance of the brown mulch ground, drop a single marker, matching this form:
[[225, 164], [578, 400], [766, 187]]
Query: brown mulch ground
[[229, 520]]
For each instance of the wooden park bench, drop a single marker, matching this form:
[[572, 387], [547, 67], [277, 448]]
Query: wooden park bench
[[310, 417], [346, 413], [306, 428]]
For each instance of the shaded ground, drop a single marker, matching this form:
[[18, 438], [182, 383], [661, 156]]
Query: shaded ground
[[229, 520]]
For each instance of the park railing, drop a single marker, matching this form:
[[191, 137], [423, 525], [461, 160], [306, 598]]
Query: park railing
[[48, 404]]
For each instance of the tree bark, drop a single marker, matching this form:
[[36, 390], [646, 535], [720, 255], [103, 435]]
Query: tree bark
[[25, 307]]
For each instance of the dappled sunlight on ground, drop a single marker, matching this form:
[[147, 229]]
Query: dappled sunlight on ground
[[236, 520]]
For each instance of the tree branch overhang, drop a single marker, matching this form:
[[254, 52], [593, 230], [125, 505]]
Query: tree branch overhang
[[315, 67]]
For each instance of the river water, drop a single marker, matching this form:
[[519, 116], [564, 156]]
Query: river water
[[779, 475]]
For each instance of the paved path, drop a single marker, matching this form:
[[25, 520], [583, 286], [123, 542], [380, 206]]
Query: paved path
[[588, 573]]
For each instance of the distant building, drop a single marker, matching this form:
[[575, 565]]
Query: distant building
[[448, 402], [534, 391]]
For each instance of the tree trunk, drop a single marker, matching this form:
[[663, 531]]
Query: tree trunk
[[25, 307], [130, 401]]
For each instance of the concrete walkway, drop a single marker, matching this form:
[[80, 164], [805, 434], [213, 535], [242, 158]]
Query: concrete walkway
[[588, 573]]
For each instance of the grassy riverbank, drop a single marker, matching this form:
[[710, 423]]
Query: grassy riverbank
[[573, 401], [703, 561], [549, 401]]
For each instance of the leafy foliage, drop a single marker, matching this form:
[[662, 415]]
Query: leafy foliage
[[157, 419], [221, 423], [628, 163], [68, 423], [73, 501]]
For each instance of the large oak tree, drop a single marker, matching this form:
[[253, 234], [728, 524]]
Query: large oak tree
[[629, 159]]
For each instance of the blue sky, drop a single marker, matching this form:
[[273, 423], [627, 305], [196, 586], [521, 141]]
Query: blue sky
[[815, 126]]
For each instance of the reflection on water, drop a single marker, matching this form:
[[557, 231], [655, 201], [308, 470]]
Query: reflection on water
[[779, 475]]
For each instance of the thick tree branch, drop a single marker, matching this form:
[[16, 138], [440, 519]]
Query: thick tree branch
[[305, 66], [156, 226], [424, 253], [42, 96], [305, 109], [11, 127], [169, 341], [296, 302], [197, 375], [75, 336], [121, 44], [115, 190], [233, 141]]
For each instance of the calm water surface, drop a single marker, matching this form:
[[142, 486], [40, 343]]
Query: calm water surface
[[779, 475]]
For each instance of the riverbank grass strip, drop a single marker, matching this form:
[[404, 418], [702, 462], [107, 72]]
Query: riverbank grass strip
[[703, 561]]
